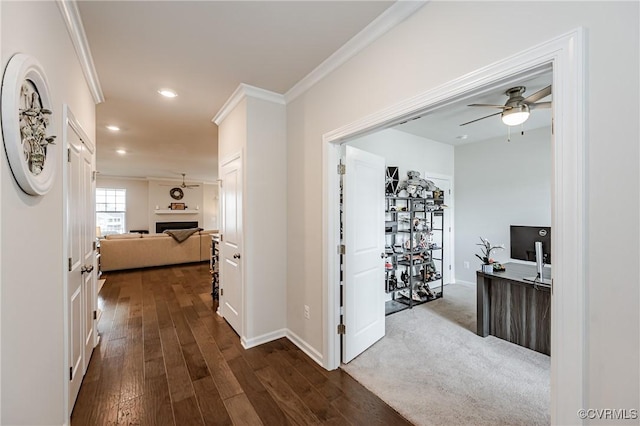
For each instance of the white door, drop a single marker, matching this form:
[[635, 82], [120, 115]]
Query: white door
[[363, 292], [231, 288], [88, 255], [81, 261], [445, 185]]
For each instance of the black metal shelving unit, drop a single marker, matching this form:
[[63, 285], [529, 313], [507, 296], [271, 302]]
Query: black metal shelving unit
[[414, 259]]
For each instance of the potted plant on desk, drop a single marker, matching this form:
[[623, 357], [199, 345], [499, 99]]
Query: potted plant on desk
[[487, 248]]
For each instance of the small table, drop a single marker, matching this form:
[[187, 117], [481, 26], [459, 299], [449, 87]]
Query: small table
[[514, 309]]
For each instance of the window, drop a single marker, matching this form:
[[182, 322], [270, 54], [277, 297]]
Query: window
[[111, 207]]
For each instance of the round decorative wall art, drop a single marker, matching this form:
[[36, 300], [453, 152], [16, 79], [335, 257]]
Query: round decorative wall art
[[176, 193], [26, 125]]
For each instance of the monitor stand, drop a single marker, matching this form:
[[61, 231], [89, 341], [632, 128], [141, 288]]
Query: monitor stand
[[538, 280], [539, 267]]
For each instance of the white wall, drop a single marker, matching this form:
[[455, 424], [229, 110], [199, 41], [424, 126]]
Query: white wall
[[498, 184], [445, 40], [265, 218], [137, 216], [408, 152], [209, 206], [32, 265], [143, 196], [256, 127]]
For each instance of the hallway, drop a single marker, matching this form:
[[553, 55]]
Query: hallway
[[166, 358]]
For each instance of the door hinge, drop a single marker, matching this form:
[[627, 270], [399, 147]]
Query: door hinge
[[70, 373], [95, 246], [221, 238], [342, 329], [341, 310], [449, 267], [95, 315], [222, 292], [94, 174], [342, 169], [68, 155], [70, 264], [449, 229], [342, 249]]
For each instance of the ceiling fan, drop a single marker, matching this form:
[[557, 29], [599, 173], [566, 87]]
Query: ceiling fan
[[517, 108], [183, 184]]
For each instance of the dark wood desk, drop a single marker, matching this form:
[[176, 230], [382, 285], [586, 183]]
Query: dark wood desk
[[513, 309]]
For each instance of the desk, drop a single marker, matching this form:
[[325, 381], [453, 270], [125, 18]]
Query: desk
[[514, 309]]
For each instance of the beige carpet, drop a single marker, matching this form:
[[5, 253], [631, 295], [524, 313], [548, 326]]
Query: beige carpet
[[433, 369]]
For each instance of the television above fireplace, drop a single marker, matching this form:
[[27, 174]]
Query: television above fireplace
[[162, 226]]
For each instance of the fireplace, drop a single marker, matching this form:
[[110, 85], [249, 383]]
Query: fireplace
[[161, 226]]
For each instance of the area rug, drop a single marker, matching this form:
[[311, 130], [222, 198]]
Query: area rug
[[433, 369]]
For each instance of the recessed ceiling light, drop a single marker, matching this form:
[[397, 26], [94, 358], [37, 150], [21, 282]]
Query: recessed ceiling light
[[462, 137], [121, 151], [167, 93], [113, 128]]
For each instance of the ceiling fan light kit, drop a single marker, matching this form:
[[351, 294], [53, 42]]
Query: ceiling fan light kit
[[517, 109], [516, 115]]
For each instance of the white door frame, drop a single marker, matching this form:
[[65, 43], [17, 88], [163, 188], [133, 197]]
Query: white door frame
[[565, 56]]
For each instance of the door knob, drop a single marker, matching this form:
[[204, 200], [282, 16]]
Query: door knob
[[236, 256], [86, 268]]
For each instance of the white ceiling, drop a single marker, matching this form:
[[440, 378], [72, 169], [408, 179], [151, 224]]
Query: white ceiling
[[443, 124], [203, 50]]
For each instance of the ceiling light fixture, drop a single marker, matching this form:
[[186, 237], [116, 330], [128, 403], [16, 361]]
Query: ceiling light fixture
[[113, 128], [121, 151], [516, 115], [167, 93]]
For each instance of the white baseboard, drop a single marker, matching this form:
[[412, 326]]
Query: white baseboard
[[464, 282], [309, 350], [259, 340], [306, 348]]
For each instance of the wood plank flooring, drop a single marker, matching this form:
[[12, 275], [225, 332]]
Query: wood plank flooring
[[166, 358]]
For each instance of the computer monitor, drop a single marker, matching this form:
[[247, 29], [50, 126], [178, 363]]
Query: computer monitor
[[523, 242]]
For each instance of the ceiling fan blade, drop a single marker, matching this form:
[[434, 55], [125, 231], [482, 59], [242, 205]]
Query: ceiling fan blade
[[487, 105], [540, 105], [481, 118], [543, 93]]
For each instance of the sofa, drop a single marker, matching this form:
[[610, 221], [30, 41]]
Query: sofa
[[129, 251]]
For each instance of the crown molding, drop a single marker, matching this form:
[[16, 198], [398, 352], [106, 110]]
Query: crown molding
[[246, 91], [158, 179], [391, 17], [71, 17]]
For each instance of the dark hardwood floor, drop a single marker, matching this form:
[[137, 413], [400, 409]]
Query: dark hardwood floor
[[166, 358]]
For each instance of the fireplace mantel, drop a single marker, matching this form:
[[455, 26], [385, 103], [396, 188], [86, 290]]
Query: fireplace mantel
[[167, 211]]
